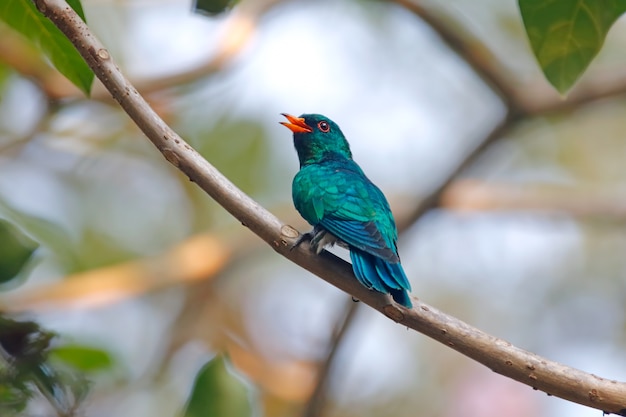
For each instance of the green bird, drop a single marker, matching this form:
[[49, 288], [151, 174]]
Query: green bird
[[333, 194]]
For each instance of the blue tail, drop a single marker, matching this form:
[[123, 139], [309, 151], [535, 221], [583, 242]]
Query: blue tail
[[377, 274]]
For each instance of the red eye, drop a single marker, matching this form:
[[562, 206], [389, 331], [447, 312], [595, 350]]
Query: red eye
[[323, 126]]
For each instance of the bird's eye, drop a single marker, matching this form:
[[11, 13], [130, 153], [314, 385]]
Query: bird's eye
[[323, 126]]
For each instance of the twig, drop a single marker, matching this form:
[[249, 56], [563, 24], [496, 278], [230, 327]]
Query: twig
[[520, 105], [479, 57], [499, 355], [432, 200], [317, 401], [577, 202], [237, 32], [198, 258]]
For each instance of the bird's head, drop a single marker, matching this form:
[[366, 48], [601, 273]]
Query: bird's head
[[317, 138]]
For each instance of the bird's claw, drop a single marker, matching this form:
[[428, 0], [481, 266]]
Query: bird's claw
[[301, 238], [315, 237]]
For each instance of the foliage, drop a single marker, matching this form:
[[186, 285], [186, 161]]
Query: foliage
[[17, 249], [22, 16], [212, 7], [82, 358], [24, 347], [218, 392], [566, 35]]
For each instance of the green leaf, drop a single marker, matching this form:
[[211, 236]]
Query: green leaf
[[13, 400], [25, 369], [565, 35], [16, 250], [48, 234], [218, 392], [84, 358], [78, 8], [22, 16], [212, 7]]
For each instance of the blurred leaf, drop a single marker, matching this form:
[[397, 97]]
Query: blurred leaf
[[12, 399], [97, 250], [566, 35], [84, 358], [218, 392], [212, 7], [16, 250], [23, 16], [5, 73], [25, 348], [24, 341], [238, 149], [47, 233], [14, 390], [25, 344]]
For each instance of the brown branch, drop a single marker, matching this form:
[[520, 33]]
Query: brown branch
[[433, 199], [579, 202], [237, 32], [499, 355], [521, 104], [199, 258], [479, 57], [234, 35], [530, 100]]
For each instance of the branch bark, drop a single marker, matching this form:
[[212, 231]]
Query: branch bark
[[499, 355]]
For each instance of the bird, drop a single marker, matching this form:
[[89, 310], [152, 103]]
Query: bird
[[333, 194]]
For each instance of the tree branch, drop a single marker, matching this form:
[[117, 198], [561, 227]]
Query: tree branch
[[477, 56], [521, 104], [498, 355]]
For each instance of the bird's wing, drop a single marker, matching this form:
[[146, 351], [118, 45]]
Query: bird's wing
[[347, 204], [366, 236]]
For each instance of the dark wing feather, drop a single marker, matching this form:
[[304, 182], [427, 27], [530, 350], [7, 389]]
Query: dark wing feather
[[364, 236]]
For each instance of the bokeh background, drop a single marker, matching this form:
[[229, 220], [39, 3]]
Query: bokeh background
[[510, 200]]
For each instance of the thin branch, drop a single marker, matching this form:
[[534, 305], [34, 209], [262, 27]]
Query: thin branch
[[479, 57], [530, 100], [579, 202], [199, 258], [433, 199], [316, 403], [520, 105], [234, 35], [497, 354], [237, 32]]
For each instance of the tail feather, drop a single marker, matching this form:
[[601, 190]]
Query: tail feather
[[383, 271], [382, 276], [365, 271], [401, 297]]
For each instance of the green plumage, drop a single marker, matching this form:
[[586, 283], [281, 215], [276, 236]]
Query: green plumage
[[333, 194]]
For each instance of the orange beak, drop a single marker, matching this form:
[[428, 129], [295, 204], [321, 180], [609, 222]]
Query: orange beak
[[296, 124]]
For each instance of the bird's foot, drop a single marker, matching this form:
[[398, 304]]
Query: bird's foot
[[316, 238], [302, 238]]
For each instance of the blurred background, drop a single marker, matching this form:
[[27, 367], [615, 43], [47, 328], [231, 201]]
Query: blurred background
[[510, 200]]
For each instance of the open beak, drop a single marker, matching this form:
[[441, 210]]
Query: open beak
[[296, 124]]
